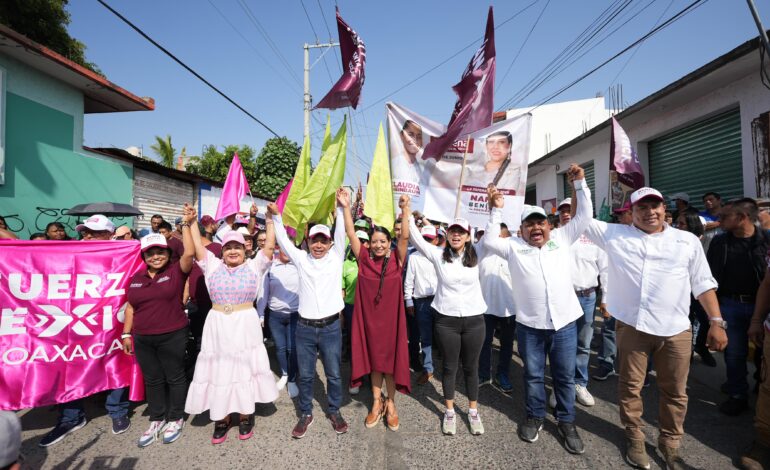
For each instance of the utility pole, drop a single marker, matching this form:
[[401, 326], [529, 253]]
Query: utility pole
[[308, 99], [758, 21]]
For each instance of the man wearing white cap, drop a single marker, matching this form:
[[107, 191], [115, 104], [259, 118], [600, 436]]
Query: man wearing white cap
[[545, 305], [72, 415], [419, 289], [653, 269], [588, 265]]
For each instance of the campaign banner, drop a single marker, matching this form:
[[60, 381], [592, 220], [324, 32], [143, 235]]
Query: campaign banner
[[497, 154], [62, 308], [626, 175]]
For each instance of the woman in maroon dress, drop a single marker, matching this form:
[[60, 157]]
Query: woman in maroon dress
[[378, 333]]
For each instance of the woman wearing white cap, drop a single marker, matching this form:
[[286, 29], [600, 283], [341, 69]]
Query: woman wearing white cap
[[156, 318], [459, 305], [233, 370]]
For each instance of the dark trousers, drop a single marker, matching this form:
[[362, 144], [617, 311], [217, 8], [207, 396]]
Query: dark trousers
[[507, 327], [161, 358], [196, 314], [460, 338]]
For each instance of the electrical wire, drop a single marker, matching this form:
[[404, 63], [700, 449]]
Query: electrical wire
[[317, 41], [186, 67], [526, 39]]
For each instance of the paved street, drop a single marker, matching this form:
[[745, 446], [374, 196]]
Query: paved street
[[712, 441]]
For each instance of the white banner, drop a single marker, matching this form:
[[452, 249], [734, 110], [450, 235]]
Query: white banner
[[497, 154]]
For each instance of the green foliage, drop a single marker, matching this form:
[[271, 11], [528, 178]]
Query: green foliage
[[163, 149], [45, 22], [276, 163], [215, 164]]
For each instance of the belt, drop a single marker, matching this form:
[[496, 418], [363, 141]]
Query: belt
[[227, 309], [320, 323], [585, 292], [741, 298]]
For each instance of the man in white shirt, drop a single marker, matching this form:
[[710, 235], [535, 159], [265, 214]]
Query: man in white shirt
[[419, 289], [653, 268], [545, 305], [588, 265]]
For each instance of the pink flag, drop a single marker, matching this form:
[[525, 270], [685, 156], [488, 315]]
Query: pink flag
[[348, 88], [236, 186], [626, 175], [281, 201], [474, 108], [61, 320]]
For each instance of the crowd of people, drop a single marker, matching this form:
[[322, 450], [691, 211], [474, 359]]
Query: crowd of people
[[430, 298]]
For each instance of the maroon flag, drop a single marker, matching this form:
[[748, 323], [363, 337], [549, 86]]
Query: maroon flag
[[348, 88], [626, 175], [473, 109]]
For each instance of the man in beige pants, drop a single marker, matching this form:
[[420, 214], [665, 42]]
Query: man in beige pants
[[653, 268]]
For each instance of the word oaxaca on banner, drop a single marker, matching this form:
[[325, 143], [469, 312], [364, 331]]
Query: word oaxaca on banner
[[61, 312], [498, 154]]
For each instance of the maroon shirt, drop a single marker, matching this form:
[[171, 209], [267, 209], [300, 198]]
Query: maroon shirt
[[198, 291], [176, 247], [157, 301]]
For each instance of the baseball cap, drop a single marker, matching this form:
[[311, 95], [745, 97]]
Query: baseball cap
[[428, 231], [207, 220], [440, 232], [462, 223], [566, 202], [643, 193], [683, 196], [244, 231], [530, 211], [241, 219], [361, 223], [233, 236], [151, 240], [10, 438], [320, 229], [624, 208], [177, 221], [361, 235], [97, 223], [121, 231]]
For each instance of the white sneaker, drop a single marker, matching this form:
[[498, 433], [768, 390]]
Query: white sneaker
[[282, 382], [293, 390], [552, 400], [151, 435], [353, 390], [583, 396], [173, 431]]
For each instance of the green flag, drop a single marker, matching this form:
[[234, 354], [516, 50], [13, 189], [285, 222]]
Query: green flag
[[327, 135], [291, 213], [379, 190]]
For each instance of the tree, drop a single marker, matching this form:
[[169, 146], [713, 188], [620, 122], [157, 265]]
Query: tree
[[45, 21], [276, 163], [215, 164], [164, 149]]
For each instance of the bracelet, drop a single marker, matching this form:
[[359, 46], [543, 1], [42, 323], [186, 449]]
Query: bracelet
[[125, 335], [185, 224], [716, 319]]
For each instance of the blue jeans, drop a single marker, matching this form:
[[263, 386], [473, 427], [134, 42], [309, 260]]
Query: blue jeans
[[585, 333], [423, 313], [284, 328], [608, 349], [738, 317], [559, 346], [116, 404], [310, 342], [507, 329]]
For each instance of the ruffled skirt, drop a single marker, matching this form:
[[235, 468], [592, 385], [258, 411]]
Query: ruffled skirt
[[232, 371]]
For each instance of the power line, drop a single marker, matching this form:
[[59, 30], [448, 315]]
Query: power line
[[317, 41], [178, 61], [671, 20], [510, 66]]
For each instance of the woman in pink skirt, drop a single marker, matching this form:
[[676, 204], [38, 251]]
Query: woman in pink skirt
[[232, 371]]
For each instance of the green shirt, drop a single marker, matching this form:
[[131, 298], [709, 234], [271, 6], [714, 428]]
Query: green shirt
[[349, 279]]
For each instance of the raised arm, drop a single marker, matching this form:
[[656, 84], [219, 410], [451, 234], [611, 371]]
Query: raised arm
[[281, 237], [581, 200], [427, 250], [343, 201], [269, 249], [252, 219], [189, 216], [339, 233], [403, 240], [491, 240]]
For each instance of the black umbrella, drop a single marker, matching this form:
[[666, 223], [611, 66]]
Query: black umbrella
[[110, 209]]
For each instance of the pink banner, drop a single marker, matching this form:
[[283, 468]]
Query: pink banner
[[61, 315], [347, 90], [236, 186]]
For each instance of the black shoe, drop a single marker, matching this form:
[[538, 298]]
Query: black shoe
[[647, 380], [60, 431], [220, 431], [723, 388], [734, 406], [120, 424], [246, 428], [572, 441], [706, 356], [603, 374], [530, 430]]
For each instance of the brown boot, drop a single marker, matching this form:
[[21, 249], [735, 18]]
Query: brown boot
[[672, 458], [757, 458], [391, 415], [424, 378], [636, 455], [375, 415]]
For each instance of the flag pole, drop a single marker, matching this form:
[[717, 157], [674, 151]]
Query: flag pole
[[462, 176]]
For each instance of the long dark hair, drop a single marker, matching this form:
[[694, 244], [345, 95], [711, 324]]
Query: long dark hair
[[470, 258], [694, 225], [385, 232]]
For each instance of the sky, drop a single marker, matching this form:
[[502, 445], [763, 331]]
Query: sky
[[253, 52]]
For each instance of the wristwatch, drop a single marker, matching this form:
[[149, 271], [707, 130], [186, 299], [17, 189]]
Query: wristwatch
[[718, 321]]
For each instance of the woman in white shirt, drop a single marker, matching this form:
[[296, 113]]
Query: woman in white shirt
[[459, 305]]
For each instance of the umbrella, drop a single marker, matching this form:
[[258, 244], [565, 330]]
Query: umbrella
[[110, 209]]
